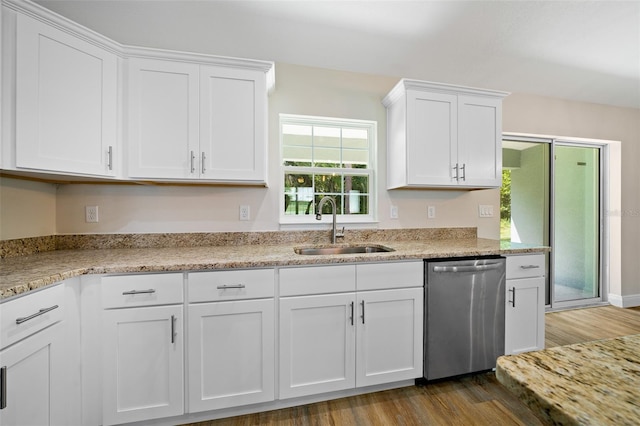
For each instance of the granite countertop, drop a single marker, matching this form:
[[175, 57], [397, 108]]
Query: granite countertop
[[593, 383], [21, 274]]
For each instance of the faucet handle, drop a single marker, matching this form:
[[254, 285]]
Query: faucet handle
[[340, 234]]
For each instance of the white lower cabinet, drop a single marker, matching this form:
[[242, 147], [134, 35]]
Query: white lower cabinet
[[33, 368], [142, 352], [231, 354], [389, 335], [231, 348], [524, 313], [338, 341], [317, 344], [31, 380]]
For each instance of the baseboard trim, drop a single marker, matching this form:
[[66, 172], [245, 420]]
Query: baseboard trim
[[630, 301]]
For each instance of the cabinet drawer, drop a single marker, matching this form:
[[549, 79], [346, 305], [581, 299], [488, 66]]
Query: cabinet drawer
[[377, 276], [29, 314], [123, 291], [231, 285], [317, 280], [525, 266]]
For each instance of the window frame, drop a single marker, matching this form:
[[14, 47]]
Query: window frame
[[318, 121]]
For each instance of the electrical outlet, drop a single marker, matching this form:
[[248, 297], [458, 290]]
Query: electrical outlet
[[485, 210], [431, 212], [393, 213], [245, 212], [91, 214]]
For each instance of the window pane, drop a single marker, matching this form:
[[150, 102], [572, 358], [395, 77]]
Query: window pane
[[326, 155], [298, 194], [356, 183], [296, 135], [328, 184], [326, 136], [355, 158], [296, 154], [356, 203], [355, 138], [326, 209]]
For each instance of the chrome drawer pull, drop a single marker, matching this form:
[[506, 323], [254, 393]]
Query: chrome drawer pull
[[227, 286], [529, 266], [37, 314], [130, 292]]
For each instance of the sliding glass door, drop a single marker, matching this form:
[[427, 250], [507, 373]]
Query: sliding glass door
[[576, 223], [551, 195]]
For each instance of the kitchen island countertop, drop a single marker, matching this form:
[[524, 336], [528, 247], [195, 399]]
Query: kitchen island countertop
[[592, 383], [21, 274]]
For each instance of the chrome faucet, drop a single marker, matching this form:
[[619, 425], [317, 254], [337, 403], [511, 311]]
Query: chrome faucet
[[334, 234]]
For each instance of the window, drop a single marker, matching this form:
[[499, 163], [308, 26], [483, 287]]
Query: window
[[327, 157]]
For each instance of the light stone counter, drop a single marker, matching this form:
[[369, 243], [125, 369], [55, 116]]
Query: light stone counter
[[21, 274], [593, 383]]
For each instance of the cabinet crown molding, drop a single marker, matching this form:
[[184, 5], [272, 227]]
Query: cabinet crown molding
[[408, 84]]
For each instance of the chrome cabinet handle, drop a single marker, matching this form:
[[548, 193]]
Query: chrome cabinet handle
[[362, 303], [203, 161], [173, 329], [230, 286], [110, 154], [529, 266], [352, 311], [512, 290], [464, 172], [193, 159], [470, 268], [132, 292], [3, 388], [37, 314], [456, 169]]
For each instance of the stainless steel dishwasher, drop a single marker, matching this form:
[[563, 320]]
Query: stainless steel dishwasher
[[464, 314]]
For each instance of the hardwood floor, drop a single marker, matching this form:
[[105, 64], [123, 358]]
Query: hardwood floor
[[471, 400]]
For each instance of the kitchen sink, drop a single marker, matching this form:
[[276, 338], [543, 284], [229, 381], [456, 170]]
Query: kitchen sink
[[342, 250]]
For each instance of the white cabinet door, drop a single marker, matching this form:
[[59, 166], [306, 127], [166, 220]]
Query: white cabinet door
[[431, 138], [34, 380], [479, 141], [233, 124], [317, 344], [66, 110], [231, 354], [143, 364], [390, 336], [163, 119], [524, 315]]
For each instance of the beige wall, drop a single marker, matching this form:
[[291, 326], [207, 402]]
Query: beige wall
[[27, 209], [313, 91]]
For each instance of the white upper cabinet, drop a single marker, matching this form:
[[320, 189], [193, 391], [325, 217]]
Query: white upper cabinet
[[163, 120], [76, 103], [443, 136], [197, 122], [233, 124], [66, 101]]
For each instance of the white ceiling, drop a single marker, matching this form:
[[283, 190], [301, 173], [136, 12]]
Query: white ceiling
[[580, 50]]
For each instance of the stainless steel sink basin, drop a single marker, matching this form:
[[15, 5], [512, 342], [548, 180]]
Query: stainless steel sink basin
[[342, 250]]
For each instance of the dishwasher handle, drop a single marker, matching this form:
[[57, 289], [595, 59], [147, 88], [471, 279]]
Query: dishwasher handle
[[467, 268]]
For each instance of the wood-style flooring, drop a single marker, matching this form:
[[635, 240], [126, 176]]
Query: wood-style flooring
[[471, 400]]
